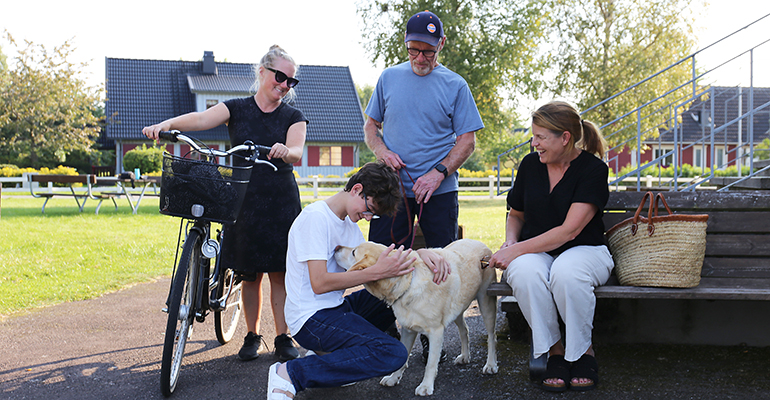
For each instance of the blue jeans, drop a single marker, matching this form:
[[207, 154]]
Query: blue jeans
[[352, 335], [438, 222]]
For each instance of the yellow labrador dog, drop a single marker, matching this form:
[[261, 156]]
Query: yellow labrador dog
[[421, 306]]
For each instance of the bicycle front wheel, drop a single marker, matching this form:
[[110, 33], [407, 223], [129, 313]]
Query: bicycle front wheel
[[181, 312], [226, 320]]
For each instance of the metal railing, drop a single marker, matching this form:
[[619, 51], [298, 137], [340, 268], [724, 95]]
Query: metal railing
[[664, 116]]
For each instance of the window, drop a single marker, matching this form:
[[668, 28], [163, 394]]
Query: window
[[211, 103], [720, 158], [668, 160], [330, 155], [698, 158]]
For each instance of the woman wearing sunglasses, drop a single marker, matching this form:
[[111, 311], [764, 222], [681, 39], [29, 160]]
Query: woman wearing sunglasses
[[256, 244]]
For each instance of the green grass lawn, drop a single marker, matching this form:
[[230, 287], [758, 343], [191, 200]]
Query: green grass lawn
[[66, 255]]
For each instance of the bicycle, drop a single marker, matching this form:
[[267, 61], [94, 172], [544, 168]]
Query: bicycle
[[201, 192]]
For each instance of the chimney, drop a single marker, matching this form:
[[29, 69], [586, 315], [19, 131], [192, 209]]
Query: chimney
[[209, 66]]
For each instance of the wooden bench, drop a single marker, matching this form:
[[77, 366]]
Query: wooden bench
[[737, 262], [70, 180]]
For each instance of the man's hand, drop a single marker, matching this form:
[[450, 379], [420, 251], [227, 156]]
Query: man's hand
[[391, 159], [440, 267], [427, 184]]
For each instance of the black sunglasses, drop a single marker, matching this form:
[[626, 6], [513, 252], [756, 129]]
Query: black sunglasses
[[280, 77]]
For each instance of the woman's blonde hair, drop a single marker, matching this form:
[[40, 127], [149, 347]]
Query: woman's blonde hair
[[559, 117], [268, 61]]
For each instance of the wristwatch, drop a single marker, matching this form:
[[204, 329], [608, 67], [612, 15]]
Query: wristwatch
[[441, 168]]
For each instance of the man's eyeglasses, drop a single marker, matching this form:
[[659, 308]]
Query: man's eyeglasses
[[416, 52], [369, 210], [280, 77]]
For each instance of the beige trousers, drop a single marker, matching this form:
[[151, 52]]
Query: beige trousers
[[546, 288]]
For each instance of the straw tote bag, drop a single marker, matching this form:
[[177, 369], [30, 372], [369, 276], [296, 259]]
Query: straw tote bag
[[668, 253]]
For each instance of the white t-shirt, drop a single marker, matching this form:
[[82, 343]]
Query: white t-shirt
[[313, 236]]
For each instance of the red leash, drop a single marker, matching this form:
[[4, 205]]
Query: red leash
[[412, 227]]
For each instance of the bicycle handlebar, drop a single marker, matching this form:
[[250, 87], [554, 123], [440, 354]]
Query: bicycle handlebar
[[254, 149]]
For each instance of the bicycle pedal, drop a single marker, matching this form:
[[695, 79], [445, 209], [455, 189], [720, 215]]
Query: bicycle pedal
[[216, 306], [164, 309]]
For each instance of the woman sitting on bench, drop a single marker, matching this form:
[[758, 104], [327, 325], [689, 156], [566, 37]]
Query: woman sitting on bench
[[554, 253]]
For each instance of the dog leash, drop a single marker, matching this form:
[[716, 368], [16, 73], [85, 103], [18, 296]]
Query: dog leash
[[412, 226]]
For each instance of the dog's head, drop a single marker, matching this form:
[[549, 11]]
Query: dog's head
[[360, 257], [364, 256]]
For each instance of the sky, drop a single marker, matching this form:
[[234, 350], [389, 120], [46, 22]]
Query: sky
[[325, 32]]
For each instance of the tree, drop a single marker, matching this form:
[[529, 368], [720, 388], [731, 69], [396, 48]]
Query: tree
[[365, 154], [46, 110], [3, 62], [601, 47], [492, 44]]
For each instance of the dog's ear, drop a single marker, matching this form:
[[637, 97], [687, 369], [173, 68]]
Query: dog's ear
[[364, 263]]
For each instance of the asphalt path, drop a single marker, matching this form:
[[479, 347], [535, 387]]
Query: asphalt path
[[110, 348]]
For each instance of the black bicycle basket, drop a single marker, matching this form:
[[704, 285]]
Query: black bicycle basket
[[203, 190]]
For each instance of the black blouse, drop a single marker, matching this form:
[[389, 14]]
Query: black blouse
[[248, 122], [585, 181]]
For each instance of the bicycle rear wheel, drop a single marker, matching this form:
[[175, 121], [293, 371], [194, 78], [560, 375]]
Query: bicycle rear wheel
[[181, 312], [226, 321]]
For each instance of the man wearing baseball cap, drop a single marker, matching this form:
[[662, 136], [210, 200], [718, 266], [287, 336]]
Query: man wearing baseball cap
[[422, 121]]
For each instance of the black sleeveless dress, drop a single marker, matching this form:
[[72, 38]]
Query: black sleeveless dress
[[257, 242]]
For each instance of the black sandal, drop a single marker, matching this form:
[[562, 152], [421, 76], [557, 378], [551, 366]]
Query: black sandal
[[558, 368], [584, 368]]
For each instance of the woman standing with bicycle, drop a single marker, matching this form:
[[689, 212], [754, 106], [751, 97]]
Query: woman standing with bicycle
[[257, 242]]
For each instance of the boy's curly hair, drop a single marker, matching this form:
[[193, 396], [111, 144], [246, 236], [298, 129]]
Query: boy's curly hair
[[381, 183]]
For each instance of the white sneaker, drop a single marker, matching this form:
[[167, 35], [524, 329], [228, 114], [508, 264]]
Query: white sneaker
[[274, 381]]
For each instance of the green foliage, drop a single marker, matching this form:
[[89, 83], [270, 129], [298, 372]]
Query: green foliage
[[147, 159], [11, 171], [604, 46], [365, 155], [762, 150], [46, 109], [82, 160], [3, 62], [364, 94], [492, 44], [685, 171]]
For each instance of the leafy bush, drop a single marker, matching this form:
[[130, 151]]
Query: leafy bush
[[146, 159]]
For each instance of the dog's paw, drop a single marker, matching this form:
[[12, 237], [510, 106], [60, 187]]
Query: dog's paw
[[391, 380], [424, 390], [462, 359], [490, 369]]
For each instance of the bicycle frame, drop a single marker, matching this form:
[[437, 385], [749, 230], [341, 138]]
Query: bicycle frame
[[195, 289]]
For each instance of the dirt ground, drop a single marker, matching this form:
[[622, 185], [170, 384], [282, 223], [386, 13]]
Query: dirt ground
[[110, 348]]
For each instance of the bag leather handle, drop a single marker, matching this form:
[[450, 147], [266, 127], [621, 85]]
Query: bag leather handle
[[635, 225], [660, 197]]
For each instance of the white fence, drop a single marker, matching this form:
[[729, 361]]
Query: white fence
[[315, 186], [320, 187]]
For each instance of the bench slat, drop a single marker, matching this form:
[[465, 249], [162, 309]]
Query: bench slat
[[751, 245], [719, 221], [697, 293], [736, 267], [702, 200], [740, 290]]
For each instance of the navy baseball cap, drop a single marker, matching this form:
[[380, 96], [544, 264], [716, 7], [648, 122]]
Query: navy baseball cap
[[424, 27]]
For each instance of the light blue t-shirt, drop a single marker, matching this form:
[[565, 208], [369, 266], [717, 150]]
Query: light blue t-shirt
[[421, 118]]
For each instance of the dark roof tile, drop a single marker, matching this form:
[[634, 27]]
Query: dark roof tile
[[145, 92]]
